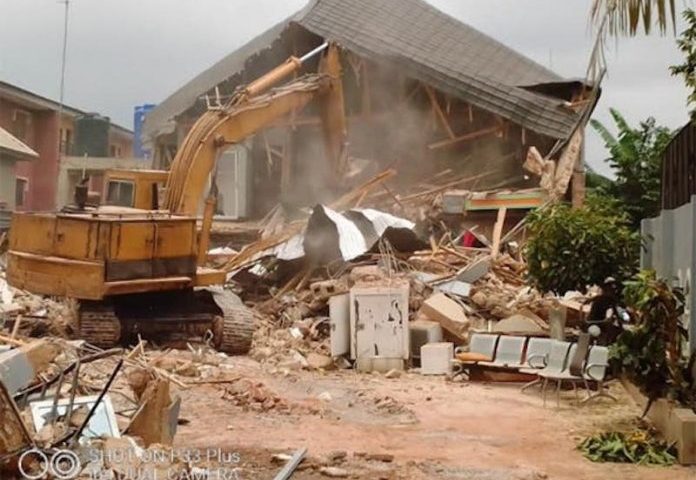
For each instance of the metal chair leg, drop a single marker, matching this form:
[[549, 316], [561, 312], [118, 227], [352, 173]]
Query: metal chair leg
[[559, 382], [537, 381], [601, 393], [544, 384], [575, 390]]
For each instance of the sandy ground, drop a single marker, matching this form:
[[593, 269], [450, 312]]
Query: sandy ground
[[434, 429]]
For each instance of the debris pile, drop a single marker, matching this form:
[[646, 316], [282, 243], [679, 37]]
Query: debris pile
[[96, 406], [33, 315]]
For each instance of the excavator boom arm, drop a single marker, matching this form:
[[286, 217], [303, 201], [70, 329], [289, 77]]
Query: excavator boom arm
[[196, 157]]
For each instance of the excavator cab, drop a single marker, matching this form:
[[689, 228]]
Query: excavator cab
[[134, 188]]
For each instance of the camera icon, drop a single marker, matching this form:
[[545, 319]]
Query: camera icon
[[61, 464]]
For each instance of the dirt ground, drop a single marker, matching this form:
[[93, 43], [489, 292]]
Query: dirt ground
[[433, 429]]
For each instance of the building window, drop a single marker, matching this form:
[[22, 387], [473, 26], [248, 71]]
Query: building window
[[65, 141], [115, 151], [21, 189], [21, 119], [120, 193]]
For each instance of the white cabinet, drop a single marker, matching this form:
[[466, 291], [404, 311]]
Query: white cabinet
[[379, 322], [339, 313]]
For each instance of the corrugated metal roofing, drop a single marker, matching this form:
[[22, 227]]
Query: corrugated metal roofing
[[13, 146], [425, 43]]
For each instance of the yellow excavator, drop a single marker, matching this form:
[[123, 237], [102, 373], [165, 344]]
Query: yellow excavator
[[140, 269]]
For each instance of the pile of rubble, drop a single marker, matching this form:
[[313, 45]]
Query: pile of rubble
[[83, 412], [303, 279], [33, 315]]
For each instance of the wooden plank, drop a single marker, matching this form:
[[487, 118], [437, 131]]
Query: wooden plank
[[566, 164], [209, 276], [146, 285], [498, 231], [438, 111], [14, 435], [465, 138]]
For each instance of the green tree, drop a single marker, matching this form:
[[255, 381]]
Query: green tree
[[624, 17], [687, 44], [635, 158], [571, 248]]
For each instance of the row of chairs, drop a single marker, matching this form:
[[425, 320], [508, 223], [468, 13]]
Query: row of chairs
[[551, 361]]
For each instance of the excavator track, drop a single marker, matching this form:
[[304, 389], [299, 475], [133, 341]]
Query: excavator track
[[98, 324], [173, 318], [233, 331]]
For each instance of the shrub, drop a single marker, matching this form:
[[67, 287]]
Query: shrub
[[650, 353], [569, 249]]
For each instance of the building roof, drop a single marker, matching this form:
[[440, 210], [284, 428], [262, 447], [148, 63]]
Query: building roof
[[33, 100], [425, 43], [14, 147]]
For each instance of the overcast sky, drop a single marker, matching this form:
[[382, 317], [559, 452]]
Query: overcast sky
[[123, 53]]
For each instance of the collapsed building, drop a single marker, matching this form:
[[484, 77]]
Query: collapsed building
[[424, 94]]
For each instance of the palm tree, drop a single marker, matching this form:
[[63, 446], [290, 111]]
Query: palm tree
[[624, 17], [635, 158]]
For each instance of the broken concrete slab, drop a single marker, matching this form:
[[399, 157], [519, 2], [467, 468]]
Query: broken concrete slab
[[454, 287], [518, 324], [448, 313], [156, 419], [19, 366], [40, 353], [16, 372], [475, 271], [334, 472], [317, 361]]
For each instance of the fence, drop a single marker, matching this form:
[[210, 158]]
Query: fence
[[671, 251]]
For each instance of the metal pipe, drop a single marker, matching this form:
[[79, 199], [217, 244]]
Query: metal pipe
[[319, 49], [280, 72], [54, 407], [73, 391], [292, 464], [96, 404]]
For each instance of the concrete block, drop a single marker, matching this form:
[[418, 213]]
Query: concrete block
[[339, 313], [16, 371], [448, 313], [436, 358], [455, 287], [453, 201], [677, 425], [475, 271], [423, 332]]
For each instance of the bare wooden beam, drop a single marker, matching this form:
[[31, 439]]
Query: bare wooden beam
[[269, 157], [498, 231], [438, 111], [464, 138]]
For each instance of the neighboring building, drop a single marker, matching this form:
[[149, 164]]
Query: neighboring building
[[423, 93], [34, 120], [12, 188], [139, 113]]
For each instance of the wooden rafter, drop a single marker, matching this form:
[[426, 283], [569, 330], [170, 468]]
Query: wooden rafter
[[438, 111], [466, 137]]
